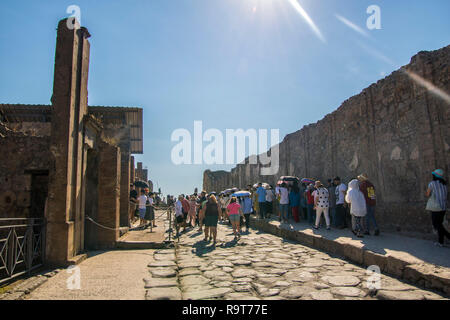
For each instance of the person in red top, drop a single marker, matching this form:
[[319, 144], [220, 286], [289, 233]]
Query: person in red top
[[234, 214], [186, 207], [310, 203], [368, 190]]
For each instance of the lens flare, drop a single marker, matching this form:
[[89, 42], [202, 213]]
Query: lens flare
[[351, 25], [308, 20], [429, 86]]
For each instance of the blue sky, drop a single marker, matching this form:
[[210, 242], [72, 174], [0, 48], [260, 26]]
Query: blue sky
[[230, 63]]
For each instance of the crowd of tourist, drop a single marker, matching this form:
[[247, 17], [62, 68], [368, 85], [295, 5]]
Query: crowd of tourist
[[142, 207], [341, 206]]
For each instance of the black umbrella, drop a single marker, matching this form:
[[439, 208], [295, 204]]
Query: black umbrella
[[289, 178], [141, 184]]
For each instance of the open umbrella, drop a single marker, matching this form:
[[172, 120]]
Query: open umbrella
[[242, 193], [141, 184], [289, 178], [308, 180], [228, 191], [264, 185]]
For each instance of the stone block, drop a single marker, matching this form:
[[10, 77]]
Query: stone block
[[371, 258], [354, 252]]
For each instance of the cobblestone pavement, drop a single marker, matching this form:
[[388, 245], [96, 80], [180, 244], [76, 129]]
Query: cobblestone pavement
[[262, 266]]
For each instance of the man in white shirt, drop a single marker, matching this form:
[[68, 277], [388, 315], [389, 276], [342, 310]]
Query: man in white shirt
[[284, 202], [269, 202], [142, 200], [341, 190]]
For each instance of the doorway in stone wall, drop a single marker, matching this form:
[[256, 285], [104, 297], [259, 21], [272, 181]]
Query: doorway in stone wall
[[91, 203], [39, 192]]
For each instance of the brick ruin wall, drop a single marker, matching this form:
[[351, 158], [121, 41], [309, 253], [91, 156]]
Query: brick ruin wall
[[395, 130], [28, 150]]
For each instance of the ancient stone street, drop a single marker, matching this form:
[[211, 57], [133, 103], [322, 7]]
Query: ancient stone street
[[258, 266], [262, 266]]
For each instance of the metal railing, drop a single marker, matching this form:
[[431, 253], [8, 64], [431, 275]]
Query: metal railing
[[22, 246]]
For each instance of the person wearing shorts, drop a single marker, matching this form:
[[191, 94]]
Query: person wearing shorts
[[179, 218], [142, 207], [234, 214], [212, 210]]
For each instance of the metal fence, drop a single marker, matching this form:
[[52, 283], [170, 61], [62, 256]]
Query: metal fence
[[22, 246]]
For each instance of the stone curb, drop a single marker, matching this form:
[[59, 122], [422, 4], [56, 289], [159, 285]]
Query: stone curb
[[21, 290], [415, 271]]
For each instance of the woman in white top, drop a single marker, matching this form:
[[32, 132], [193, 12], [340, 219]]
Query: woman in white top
[[357, 205]]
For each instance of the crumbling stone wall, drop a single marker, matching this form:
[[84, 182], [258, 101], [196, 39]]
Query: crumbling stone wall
[[25, 154], [396, 130]]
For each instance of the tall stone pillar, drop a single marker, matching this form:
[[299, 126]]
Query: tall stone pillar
[[69, 105], [124, 189], [132, 170], [108, 195]]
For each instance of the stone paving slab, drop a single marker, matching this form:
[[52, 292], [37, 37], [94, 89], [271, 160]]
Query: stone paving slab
[[420, 261], [268, 267]]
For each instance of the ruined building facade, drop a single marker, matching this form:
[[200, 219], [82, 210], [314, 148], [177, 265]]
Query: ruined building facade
[[68, 161], [396, 130]]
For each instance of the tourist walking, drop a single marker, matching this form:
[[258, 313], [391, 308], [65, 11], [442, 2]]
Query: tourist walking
[[255, 201], [192, 210], [284, 202], [200, 201], [178, 215], [247, 208], [234, 214], [332, 202], [142, 200], [310, 203], [294, 202], [340, 191], [223, 199], [321, 204], [368, 190], [303, 210], [149, 210], [357, 206], [212, 210], [186, 207], [133, 203], [269, 202], [437, 204], [261, 200]]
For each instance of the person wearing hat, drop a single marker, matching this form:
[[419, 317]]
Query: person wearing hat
[[368, 190], [321, 204], [437, 204]]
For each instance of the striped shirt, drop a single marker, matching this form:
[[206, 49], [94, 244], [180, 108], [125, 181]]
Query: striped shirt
[[440, 192]]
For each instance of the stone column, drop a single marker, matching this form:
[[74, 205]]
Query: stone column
[[132, 170], [69, 104], [108, 195], [124, 189]]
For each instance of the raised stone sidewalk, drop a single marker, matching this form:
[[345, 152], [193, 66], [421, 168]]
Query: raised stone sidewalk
[[415, 260]]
